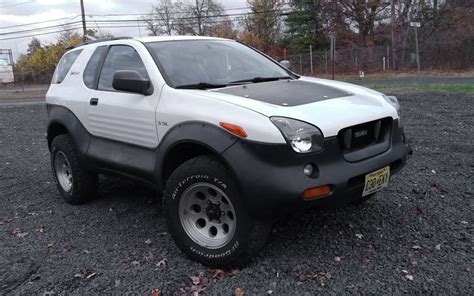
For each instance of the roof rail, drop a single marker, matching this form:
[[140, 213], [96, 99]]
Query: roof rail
[[98, 41]]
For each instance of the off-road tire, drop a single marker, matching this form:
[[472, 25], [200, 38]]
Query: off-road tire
[[249, 236], [84, 183]]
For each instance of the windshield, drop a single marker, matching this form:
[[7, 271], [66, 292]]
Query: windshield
[[213, 63]]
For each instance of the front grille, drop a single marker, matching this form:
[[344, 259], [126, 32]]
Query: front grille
[[364, 140]]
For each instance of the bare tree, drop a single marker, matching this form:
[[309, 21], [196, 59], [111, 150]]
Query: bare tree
[[262, 27], [199, 17], [67, 33], [163, 18]]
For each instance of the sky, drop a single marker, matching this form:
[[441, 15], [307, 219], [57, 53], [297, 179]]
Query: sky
[[19, 12]]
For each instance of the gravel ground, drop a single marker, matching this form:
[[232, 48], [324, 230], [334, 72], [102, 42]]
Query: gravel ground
[[414, 237]]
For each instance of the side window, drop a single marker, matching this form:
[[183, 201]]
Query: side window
[[64, 65], [120, 57], [93, 66]]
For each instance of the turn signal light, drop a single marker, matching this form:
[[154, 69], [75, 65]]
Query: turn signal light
[[314, 192], [235, 129]]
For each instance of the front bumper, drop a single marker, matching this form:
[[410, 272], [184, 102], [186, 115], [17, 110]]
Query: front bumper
[[271, 178]]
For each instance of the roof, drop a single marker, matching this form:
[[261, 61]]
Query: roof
[[176, 38], [148, 39]]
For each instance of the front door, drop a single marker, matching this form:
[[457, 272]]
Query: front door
[[122, 116]]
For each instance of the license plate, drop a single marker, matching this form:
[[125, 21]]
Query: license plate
[[376, 180]]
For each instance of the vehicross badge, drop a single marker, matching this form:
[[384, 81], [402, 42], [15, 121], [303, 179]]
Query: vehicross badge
[[241, 137]]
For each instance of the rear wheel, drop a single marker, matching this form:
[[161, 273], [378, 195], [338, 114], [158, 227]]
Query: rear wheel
[[206, 216], [75, 184]]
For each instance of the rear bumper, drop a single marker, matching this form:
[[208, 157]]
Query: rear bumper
[[272, 181]]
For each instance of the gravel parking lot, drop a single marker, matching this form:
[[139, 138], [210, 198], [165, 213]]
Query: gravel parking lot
[[414, 237]]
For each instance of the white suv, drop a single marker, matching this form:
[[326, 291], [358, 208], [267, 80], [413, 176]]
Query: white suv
[[231, 137]]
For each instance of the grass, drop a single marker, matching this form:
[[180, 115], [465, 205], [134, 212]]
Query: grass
[[409, 88]]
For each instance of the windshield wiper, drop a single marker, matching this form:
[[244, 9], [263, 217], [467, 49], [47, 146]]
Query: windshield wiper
[[200, 85], [260, 79]]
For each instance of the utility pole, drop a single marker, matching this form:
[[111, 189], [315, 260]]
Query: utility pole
[[84, 30], [311, 57]]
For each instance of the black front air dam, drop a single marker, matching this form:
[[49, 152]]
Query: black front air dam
[[272, 181]]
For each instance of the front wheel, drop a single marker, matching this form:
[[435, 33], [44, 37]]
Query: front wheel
[[206, 216]]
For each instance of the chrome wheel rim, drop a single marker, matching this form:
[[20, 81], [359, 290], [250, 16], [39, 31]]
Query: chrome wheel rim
[[63, 171], [207, 215]]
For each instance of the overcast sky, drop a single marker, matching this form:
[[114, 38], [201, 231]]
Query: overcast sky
[[18, 12]]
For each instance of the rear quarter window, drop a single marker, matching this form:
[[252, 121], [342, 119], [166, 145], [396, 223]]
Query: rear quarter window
[[65, 65], [93, 66]]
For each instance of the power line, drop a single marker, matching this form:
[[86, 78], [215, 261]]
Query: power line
[[42, 22], [282, 13], [93, 15], [39, 29], [16, 4]]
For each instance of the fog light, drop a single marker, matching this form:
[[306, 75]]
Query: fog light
[[308, 169]]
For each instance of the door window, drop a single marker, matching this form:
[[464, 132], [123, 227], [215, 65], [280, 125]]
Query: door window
[[120, 57]]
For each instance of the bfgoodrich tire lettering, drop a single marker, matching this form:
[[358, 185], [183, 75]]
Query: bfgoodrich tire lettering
[[83, 185], [248, 236]]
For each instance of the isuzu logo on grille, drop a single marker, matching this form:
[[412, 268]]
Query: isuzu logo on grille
[[360, 133]]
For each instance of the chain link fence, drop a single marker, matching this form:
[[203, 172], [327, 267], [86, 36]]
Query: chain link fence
[[355, 60], [377, 59]]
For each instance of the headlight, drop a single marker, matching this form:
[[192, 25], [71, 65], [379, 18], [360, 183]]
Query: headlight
[[301, 136], [392, 100]]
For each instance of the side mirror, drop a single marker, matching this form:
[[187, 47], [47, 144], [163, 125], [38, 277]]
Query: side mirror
[[286, 64], [131, 81]]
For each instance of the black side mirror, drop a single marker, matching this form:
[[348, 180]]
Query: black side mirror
[[132, 81]]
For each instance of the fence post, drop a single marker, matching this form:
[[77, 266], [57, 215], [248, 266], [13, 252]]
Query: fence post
[[301, 64], [356, 61], [326, 59], [333, 53], [311, 57], [417, 55]]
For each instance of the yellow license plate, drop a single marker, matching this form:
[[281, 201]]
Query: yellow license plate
[[376, 180]]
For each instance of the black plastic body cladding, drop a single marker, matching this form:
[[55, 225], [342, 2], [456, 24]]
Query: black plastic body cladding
[[270, 177], [209, 136], [61, 116], [105, 155], [272, 181]]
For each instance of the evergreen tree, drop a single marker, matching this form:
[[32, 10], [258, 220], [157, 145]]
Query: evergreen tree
[[304, 26]]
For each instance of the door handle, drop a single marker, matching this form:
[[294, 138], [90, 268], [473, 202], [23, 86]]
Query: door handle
[[94, 101]]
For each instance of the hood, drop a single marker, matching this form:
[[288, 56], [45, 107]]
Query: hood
[[329, 105]]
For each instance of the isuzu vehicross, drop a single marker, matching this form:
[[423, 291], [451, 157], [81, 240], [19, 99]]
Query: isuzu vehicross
[[231, 137]]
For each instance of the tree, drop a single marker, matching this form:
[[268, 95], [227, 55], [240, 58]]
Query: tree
[[68, 35], [199, 17], [224, 29], [262, 27], [99, 34], [34, 45], [304, 26], [162, 20]]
